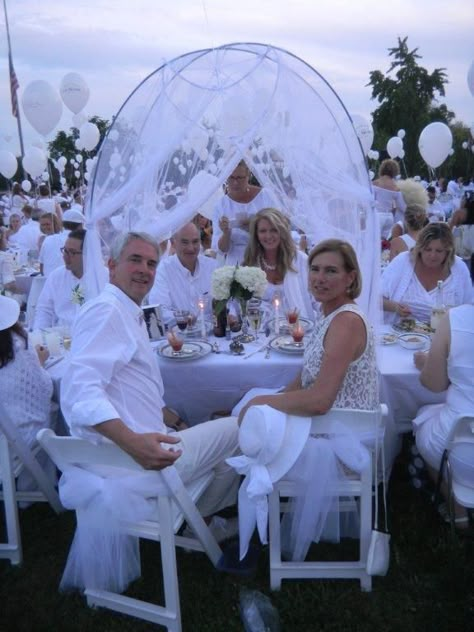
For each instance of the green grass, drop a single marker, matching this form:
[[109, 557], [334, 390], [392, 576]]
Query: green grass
[[428, 587]]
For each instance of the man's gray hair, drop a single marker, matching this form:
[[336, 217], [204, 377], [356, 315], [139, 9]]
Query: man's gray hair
[[122, 240]]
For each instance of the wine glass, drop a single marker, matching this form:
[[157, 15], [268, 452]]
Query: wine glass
[[176, 341], [182, 319], [254, 317]]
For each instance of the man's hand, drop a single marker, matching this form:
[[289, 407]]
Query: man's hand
[[146, 449]]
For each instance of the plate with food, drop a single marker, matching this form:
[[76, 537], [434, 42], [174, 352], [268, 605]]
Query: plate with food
[[188, 351], [407, 325], [414, 341], [286, 344], [388, 339]]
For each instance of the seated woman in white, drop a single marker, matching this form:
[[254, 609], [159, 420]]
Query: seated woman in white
[[448, 365], [409, 282], [25, 387], [271, 247]]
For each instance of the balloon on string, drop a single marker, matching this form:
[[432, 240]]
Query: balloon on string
[[42, 106], [77, 174], [34, 161], [61, 162], [8, 164], [375, 154], [89, 136], [451, 152], [434, 143], [74, 92], [394, 146], [465, 145], [470, 78], [364, 132], [401, 133], [26, 186], [78, 158]]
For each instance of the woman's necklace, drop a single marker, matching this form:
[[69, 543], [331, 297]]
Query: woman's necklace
[[267, 266]]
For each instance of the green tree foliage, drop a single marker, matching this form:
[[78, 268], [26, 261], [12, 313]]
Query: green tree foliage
[[407, 95], [64, 145]]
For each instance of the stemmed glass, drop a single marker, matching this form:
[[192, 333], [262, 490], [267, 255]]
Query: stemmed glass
[[182, 319], [254, 316]]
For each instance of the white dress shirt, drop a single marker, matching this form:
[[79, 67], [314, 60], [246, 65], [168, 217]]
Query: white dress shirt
[[55, 303], [50, 254], [176, 288], [112, 371], [28, 235]]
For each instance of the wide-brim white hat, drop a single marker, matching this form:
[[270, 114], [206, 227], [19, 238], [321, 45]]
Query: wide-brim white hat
[[9, 312], [71, 215], [274, 439]]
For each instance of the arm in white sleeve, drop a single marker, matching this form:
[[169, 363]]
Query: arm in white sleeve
[[44, 312]]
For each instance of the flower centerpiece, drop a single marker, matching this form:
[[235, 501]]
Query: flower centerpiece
[[240, 283]]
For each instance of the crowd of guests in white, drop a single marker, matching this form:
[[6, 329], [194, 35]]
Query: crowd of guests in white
[[113, 387]]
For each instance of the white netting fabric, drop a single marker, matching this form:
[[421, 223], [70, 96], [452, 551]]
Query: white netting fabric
[[181, 133]]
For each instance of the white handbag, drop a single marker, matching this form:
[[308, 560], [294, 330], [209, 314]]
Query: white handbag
[[378, 557]]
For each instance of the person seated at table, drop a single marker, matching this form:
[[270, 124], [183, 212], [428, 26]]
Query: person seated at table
[[63, 294], [414, 220], [29, 233], [50, 256], [7, 278], [113, 389], [434, 210], [232, 214], [389, 201], [182, 278], [26, 388], [339, 367], [49, 225], [449, 364], [409, 282], [271, 247], [465, 213]]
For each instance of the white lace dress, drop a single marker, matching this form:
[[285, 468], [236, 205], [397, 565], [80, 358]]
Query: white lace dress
[[360, 386]]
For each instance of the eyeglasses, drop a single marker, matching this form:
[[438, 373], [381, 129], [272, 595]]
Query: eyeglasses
[[70, 253], [237, 178]]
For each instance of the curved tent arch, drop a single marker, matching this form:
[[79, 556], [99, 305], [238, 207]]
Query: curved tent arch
[[182, 131]]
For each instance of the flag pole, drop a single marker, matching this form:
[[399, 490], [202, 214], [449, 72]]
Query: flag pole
[[14, 85]]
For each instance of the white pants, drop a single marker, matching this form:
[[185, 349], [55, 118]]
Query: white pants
[[205, 447]]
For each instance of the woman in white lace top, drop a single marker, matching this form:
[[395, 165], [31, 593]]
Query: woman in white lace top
[[25, 387], [339, 367]]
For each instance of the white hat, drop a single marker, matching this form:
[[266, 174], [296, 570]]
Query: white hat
[[9, 312], [71, 215]]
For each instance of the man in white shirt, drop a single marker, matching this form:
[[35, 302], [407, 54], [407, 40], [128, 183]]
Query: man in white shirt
[[113, 386], [50, 256], [62, 294], [184, 277], [434, 210], [28, 235]]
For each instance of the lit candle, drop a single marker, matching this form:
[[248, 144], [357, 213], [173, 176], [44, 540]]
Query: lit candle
[[201, 315], [276, 303]]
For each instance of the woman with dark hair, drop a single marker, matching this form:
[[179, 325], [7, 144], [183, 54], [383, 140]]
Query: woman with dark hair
[[409, 282], [25, 387], [389, 201], [271, 247]]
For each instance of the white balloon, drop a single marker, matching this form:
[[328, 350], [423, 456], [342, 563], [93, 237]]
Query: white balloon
[[89, 164], [74, 92], [89, 136], [465, 145], [401, 133], [451, 152], [371, 174], [8, 164], [62, 181], [470, 78], [375, 154], [42, 106], [364, 131], [77, 174], [115, 160], [394, 146], [79, 119], [39, 144], [34, 162], [78, 158], [26, 186], [62, 162], [434, 143], [45, 176], [401, 154]]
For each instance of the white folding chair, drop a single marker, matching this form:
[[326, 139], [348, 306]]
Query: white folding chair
[[173, 509], [35, 291], [11, 443], [459, 463], [360, 422]]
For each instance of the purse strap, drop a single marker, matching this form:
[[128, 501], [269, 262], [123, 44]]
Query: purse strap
[[376, 480]]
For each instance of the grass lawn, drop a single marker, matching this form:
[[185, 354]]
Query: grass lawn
[[429, 586]]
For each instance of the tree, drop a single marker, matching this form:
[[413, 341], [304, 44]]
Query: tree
[[408, 100], [64, 145]]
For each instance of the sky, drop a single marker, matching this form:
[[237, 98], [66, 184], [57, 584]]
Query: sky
[[115, 44]]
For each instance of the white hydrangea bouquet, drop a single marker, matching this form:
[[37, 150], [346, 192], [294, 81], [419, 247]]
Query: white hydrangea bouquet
[[240, 283]]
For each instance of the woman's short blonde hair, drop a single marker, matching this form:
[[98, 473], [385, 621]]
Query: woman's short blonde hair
[[436, 230], [390, 168], [349, 259], [286, 250]]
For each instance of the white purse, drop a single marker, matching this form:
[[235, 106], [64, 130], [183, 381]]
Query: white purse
[[378, 557]]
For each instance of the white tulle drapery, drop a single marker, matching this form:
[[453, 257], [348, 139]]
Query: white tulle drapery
[[183, 130]]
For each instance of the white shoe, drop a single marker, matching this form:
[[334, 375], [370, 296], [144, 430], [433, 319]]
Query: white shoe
[[221, 528]]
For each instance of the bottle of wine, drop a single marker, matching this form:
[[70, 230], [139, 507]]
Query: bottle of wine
[[439, 308]]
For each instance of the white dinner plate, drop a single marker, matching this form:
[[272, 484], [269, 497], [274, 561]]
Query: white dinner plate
[[307, 324], [190, 351], [286, 344]]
